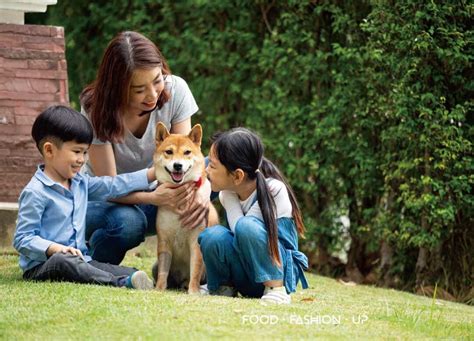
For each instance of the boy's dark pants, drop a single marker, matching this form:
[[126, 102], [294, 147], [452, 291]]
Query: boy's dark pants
[[70, 268]]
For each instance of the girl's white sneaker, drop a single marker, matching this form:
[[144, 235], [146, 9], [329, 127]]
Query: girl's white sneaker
[[276, 295]]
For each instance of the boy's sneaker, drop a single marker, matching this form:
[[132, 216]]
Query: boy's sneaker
[[139, 280], [276, 295], [224, 290]]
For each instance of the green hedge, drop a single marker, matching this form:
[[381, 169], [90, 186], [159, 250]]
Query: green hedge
[[365, 106]]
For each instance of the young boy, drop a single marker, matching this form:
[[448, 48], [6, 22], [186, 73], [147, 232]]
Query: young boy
[[50, 232]]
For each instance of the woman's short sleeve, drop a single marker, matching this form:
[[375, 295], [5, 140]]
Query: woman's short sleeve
[[183, 104]]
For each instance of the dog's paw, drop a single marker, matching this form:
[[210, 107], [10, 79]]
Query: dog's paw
[[160, 285], [195, 290]]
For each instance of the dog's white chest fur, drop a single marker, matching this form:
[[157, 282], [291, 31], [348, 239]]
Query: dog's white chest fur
[[168, 222]]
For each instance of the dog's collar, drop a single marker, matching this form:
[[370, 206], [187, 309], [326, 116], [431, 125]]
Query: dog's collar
[[199, 182]]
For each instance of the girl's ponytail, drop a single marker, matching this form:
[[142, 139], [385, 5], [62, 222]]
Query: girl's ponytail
[[268, 209], [271, 171]]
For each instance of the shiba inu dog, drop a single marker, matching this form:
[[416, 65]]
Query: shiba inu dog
[[178, 159]]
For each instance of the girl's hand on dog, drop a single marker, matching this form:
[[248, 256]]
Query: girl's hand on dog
[[197, 211], [173, 197]]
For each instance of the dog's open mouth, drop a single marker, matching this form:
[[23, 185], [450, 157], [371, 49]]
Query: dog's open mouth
[[177, 176]]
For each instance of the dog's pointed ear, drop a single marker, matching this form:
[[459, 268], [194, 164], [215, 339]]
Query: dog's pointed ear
[[161, 133], [196, 134]]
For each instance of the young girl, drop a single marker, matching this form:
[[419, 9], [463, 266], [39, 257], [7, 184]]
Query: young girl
[[258, 256]]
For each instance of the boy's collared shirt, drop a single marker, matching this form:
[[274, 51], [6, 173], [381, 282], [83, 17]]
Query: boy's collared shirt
[[49, 213]]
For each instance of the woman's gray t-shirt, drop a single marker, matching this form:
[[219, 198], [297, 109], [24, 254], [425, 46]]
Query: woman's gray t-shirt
[[137, 153]]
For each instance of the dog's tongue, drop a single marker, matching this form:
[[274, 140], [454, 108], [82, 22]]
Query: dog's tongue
[[177, 176]]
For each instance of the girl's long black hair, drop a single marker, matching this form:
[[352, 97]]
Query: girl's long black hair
[[240, 148]]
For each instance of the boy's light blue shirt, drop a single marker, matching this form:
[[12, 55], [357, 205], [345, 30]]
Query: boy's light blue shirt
[[49, 213]]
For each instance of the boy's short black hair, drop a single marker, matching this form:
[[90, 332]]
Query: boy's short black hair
[[61, 124]]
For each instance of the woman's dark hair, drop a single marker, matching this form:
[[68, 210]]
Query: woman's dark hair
[[61, 124], [240, 148], [106, 97]]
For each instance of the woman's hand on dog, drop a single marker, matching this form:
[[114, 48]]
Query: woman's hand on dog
[[196, 213], [173, 197]]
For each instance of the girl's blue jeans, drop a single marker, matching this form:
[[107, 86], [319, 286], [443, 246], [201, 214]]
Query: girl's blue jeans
[[239, 259]]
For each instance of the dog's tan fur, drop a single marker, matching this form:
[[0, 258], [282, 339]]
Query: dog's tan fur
[[179, 257]]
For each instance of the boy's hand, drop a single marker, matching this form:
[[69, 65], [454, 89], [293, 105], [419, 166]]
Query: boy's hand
[[55, 248], [150, 174]]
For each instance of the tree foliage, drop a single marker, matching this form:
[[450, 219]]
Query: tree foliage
[[365, 106]]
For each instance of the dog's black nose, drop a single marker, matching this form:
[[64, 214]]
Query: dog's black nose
[[177, 167]]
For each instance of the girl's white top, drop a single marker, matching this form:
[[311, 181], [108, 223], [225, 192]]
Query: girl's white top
[[235, 208]]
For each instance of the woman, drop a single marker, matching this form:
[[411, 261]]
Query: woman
[[134, 90]]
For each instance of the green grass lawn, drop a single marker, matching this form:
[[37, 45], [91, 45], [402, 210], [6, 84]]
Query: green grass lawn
[[328, 309]]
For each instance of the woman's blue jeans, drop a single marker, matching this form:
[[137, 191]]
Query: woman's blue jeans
[[113, 229], [241, 259]]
